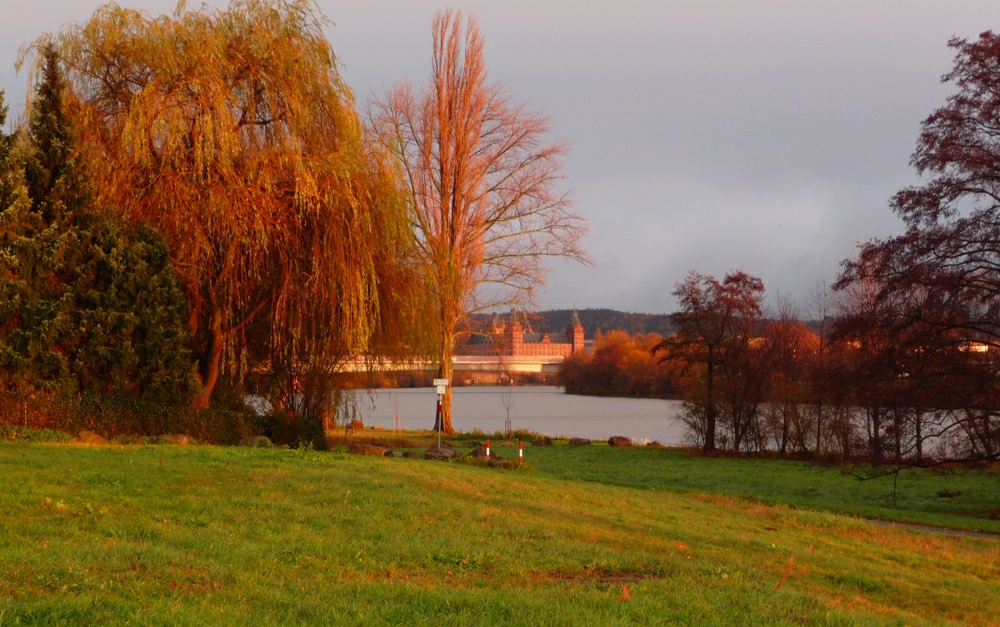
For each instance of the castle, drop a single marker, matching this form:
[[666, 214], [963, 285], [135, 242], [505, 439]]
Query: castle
[[510, 340]]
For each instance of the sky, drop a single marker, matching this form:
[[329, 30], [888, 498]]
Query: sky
[[707, 135]]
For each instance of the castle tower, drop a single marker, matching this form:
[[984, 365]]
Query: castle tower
[[574, 331], [514, 337]]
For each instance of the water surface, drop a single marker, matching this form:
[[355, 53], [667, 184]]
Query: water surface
[[546, 410]]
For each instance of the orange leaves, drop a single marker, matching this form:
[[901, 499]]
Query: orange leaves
[[625, 593]]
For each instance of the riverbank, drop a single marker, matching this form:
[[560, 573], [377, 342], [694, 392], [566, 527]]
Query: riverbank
[[198, 535]]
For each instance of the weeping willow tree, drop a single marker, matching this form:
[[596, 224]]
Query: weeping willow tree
[[233, 134]]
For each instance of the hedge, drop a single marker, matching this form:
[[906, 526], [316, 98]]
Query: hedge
[[115, 416]]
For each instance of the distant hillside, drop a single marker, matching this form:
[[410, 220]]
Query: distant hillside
[[555, 320], [605, 320]]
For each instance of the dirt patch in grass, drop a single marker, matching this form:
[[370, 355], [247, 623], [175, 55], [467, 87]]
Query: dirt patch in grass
[[602, 576]]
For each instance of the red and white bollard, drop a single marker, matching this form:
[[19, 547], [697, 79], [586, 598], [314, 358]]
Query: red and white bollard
[[520, 453], [487, 448]]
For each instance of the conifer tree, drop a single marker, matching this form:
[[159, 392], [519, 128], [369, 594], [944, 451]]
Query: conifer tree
[[15, 218], [94, 307]]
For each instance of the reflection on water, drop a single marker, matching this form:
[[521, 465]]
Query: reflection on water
[[542, 409]]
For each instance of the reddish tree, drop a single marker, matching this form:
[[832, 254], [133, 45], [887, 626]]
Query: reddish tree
[[483, 188], [714, 323], [950, 253], [938, 284], [792, 348]]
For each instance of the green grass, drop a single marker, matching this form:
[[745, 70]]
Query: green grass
[[798, 484], [164, 535]]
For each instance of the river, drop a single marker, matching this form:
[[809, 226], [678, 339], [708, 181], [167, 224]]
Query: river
[[546, 410]]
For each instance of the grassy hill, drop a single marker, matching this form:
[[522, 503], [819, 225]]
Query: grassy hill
[[228, 536]]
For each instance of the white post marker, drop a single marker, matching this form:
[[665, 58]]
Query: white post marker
[[442, 387], [487, 449], [520, 453]]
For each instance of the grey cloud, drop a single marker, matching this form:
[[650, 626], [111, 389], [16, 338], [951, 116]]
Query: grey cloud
[[764, 135]]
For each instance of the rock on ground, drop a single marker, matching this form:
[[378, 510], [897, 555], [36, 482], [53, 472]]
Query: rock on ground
[[579, 441], [257, 440], [619, 440], [440, 453], [367, 449]]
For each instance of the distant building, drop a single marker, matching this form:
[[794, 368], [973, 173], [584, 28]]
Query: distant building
[[509, 339]]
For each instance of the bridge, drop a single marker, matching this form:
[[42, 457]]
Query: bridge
[[467, 363]]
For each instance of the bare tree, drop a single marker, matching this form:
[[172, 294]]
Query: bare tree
[[483, 187], [507, 398]]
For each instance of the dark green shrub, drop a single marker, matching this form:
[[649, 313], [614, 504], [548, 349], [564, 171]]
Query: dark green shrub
[[115, 417], [12, 432], [507, 464], [294, 431]]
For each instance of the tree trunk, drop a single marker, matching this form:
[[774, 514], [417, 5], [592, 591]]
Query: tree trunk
[[819, 430], [920, 436], [710, 412], [212, 361], [445, 371], [784, 429], [876, 438], [897, 434]]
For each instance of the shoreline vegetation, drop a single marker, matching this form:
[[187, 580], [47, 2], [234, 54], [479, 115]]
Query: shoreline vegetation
[[196, 534]]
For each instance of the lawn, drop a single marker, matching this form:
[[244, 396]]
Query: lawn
[[967, 500], [211, 535]]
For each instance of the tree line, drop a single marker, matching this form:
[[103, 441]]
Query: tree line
[[903, 367]]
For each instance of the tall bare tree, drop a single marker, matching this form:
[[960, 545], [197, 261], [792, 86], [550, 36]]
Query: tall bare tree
[[483, 186], [232, 133]]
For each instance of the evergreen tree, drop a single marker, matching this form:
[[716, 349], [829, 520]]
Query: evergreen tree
[[15, 219], [94, 306]]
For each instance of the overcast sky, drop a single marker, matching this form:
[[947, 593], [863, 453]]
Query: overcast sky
[[705, 135]]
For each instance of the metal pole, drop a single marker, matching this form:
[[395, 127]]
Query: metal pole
[[438, 421]]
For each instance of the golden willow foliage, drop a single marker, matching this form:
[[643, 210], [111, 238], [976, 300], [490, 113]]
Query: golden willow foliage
[[233, 134]]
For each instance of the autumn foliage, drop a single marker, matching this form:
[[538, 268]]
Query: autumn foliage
[[620, 365], [482, 184], [232, 133]]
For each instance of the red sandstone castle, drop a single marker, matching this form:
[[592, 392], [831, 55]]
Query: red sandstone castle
[[509, 339]]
